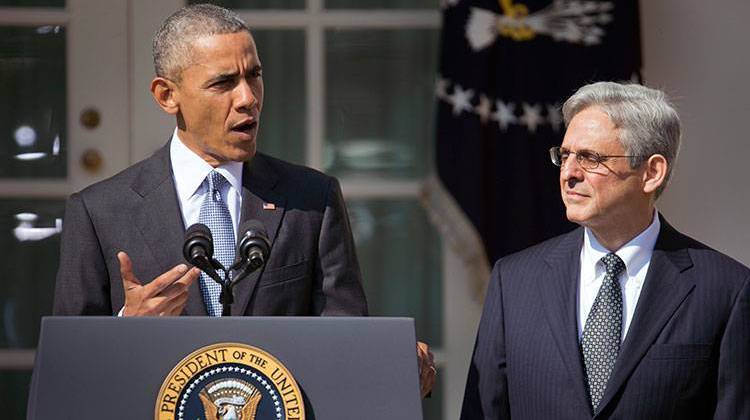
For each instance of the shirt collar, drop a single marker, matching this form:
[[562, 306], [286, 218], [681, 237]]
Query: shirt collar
[[635, 254], [190, 170]]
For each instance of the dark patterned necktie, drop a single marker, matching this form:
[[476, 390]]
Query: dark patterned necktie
[[215, 214], [601, 334]]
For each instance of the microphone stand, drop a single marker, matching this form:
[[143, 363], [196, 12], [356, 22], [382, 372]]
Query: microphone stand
[[198, 250], [226, 298]]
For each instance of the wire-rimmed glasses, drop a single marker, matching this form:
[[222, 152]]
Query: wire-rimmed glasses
[[587, 159]]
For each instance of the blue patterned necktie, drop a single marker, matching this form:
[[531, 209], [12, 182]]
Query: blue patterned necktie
[[215, 214], [601, 335]]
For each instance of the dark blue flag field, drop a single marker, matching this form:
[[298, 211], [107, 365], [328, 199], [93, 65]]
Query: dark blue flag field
[[505, 68]]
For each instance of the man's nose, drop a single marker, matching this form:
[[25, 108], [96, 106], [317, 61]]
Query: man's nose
[[571, 169], [245, 97]]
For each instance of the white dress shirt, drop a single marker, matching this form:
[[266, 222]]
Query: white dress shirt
[[636, 255], [190, 170]]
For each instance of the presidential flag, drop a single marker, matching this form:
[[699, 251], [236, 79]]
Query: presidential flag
[[506, 67]]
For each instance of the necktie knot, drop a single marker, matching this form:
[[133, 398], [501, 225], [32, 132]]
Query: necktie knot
[[216, 182], [613, 264]]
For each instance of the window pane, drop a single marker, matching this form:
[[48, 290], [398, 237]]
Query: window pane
[[382, 4], [256, 4], [32, 109], [379, 111], [14, 393], [33, 3], [30, 240], [282, 122], [400, 257]]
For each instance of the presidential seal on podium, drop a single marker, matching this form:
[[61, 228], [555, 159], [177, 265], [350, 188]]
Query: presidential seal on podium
[[229, 381]]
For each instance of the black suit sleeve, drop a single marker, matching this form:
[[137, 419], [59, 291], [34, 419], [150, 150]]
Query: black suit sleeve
[[82, 286], [733, 399], [486, 395], [338, 281]]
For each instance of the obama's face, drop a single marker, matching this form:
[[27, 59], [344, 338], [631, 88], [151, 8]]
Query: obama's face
[[218, 98]]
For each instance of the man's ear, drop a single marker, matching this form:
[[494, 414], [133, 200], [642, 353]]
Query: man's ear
[[655, 174], [164, 92]]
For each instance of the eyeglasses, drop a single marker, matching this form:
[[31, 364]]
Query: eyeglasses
[[587, 159]]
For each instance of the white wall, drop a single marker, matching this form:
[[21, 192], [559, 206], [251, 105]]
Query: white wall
[[699, 52]]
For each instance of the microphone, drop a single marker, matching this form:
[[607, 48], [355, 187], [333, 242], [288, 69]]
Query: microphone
[[253, 246], [198, 250]]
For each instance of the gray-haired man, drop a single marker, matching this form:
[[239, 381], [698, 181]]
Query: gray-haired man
[[624, 317]]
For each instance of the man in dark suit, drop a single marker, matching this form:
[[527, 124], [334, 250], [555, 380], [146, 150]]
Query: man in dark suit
[[209, 76], [624, 317], [122, 242]]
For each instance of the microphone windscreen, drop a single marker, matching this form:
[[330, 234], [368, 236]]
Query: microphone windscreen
[[198, 238], [252, 236], [252, 227], [198, 229]]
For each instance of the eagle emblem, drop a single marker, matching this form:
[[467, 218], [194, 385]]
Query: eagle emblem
[[230, 400], [229, 381], [573, 21]]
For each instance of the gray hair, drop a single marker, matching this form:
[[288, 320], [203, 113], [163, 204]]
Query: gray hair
[[647, 122], [172, 42]]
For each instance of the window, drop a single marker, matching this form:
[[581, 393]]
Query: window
[[349, 91]]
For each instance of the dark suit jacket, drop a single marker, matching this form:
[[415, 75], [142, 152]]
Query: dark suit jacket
[[312, 268], [686, 354]]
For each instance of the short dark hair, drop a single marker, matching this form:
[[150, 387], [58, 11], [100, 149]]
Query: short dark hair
[[172, 42]]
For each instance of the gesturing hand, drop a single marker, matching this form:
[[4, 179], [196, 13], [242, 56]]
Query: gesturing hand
[[165, 295], [427, 371]]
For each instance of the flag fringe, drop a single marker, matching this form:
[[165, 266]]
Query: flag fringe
[[458, 233]]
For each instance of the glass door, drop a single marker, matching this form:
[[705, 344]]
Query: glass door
[[64, 124]]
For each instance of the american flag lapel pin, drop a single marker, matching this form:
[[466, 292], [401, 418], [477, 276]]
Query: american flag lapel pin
[[269, 206]]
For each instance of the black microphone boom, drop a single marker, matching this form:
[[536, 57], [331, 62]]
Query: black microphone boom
[[198, 242], [252, 251], [253, 246], [198, 250]]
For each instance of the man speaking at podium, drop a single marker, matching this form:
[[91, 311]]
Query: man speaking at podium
[[124, 232], [121, 249], [122, 243]]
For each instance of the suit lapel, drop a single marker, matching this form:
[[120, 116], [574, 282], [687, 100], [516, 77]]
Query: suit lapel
[[261, 201], [559, 294], [664, 290], [162, 233]]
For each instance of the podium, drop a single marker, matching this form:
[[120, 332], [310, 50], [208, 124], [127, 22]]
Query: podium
[[361, 368]]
